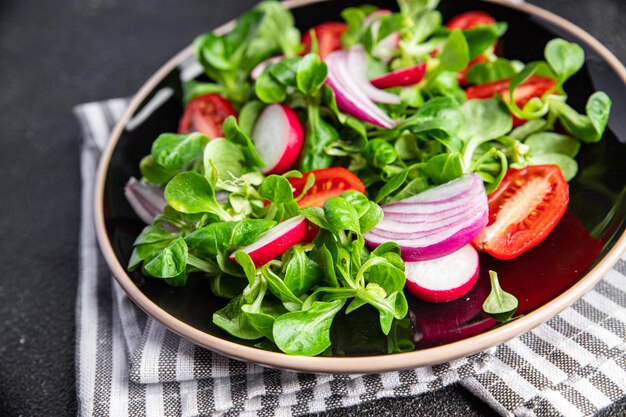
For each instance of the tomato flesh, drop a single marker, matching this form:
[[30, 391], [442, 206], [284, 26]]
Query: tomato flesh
[[328, 35], [206, 114], [329, 182], [470, 20], [523, 210], [534, 86]]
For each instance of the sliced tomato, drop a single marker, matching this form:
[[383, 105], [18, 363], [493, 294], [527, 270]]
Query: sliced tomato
[[206, 114], [328, 35], [534, 86], [329, 182], [470, 20], [523, 210]]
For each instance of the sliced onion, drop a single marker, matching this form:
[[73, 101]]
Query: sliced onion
[[357, 60], [383, 50], [350, 97], [146, 200], [436, 222]]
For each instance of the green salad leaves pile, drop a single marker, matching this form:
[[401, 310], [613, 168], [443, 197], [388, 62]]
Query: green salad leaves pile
[[218, 201]]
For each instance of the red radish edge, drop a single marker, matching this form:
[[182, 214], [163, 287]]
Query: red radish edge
[[401, 78], [278, 138], [434, 223], [444, 279], [276, 241]]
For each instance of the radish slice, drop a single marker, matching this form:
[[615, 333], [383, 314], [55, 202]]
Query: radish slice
[[401, 78], [436, 222], [349, 94], [278, 138], [443, 279], [146, 200], [276, 241], [260, 67]]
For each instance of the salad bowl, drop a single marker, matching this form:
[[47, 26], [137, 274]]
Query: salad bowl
[[586, 243]]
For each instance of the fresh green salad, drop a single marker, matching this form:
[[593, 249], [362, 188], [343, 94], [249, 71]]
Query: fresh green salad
[[321, 173]]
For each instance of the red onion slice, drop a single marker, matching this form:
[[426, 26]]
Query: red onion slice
[[146, 200], [357, 61], [350, 97], [436, 222]]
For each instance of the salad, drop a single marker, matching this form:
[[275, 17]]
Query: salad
[[338, 171]]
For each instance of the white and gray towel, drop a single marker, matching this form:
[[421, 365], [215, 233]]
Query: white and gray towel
[[127, 364]]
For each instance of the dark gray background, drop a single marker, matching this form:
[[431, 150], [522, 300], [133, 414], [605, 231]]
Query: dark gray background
[[54, 55]]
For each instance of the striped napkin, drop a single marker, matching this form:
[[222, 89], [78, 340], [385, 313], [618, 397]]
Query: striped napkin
[[127, 364]]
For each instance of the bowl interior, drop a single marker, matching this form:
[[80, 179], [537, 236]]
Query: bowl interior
[[593, 223]]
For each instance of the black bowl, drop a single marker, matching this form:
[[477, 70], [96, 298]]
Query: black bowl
[[548, 278]]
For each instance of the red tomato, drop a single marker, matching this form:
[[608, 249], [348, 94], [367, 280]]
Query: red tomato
[[328, 36], [329, 182], [534, 86], [523, 210], [470, 20], [206, 114]]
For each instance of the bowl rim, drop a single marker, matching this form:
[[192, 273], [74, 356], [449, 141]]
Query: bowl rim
[[353, 364]]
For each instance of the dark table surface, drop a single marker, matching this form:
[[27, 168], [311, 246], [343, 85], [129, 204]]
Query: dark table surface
[[54, 55]]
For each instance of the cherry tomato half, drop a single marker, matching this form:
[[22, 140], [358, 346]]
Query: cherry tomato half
[[523, 210], [329, 182], [206, 114], [534, 86], [328, 35], [470, 20]]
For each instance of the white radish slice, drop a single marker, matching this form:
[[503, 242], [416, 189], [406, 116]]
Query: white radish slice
[[276, 241], [278, 138], [443, 279]]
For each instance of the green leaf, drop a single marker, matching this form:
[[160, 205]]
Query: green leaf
[[552, 142], [489, 71], [233, 133], [311, 74], [248, 116], [529, 128], [499, 304], [244, 260], [319, 135], [392, 185], [170, 262], [190, 192], [153, 234], [455, 54], [358, 200], [302, 273], [193, 89], [415, 186], [484, 118], [341, 214], [327, 264], [173, 151], [481, 38], [276, 189], [155, 173], [567, 164], [269, 89], [589, 128], [380, 153], [385, 272], [444, 167], [371, 217], [565, 58], [284, 71], [278, 288], [146, 252], [225, 237], [233, 320], [439, 118], [306, 332], [226, 156]]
